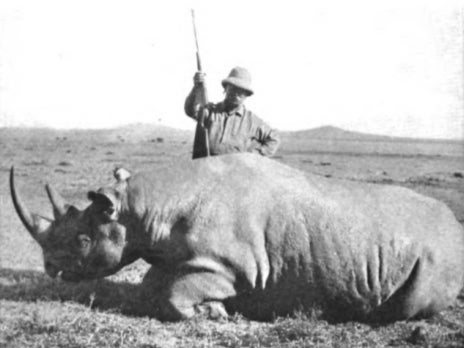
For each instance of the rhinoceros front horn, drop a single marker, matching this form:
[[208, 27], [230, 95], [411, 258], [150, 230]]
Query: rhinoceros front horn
[[34, 224]]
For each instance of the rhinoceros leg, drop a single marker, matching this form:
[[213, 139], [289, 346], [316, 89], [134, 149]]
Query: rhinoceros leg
[[423, 294], [212, 309], [199, 293], [177, 296]]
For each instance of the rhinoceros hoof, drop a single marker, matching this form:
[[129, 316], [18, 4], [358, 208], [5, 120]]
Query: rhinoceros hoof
[[212, 310]]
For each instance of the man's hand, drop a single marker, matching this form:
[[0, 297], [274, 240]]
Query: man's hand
[[199, 78]]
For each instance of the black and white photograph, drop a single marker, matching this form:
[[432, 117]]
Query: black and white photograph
[[199, 173]]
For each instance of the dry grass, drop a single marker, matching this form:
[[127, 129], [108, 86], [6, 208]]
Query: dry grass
[[36, 311]]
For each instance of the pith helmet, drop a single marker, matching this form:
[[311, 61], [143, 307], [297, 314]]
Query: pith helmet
[[239, 77]]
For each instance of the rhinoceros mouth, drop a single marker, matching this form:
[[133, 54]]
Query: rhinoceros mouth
[[79, 275], [69, 277]]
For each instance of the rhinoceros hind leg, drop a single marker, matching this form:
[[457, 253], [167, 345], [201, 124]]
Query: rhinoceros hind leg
[[416, 298]]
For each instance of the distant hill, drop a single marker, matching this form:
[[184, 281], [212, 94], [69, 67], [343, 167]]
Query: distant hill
[[335, 133]]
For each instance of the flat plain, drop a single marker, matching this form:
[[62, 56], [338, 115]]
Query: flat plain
[[37, 311]]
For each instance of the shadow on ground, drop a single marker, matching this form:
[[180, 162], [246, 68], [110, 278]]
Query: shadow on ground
[[101, 294]]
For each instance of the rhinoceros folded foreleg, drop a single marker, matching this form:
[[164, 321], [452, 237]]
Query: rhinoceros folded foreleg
[[178, 294]]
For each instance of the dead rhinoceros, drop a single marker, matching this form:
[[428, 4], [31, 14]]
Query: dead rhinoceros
[[263, 238]]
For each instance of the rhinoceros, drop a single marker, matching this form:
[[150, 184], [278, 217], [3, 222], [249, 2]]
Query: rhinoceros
[[249, 234]]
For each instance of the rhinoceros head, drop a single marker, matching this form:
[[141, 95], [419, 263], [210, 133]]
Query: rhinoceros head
[[77, 244]]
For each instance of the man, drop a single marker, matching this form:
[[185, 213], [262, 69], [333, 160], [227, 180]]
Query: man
[[228, 126]]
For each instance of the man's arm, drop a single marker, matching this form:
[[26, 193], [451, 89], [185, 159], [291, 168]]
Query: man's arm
[[267, 141]]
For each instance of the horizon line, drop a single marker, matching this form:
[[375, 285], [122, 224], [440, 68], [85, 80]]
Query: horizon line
[[160, 125]]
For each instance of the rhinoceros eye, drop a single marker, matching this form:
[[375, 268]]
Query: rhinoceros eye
[[83, 241]]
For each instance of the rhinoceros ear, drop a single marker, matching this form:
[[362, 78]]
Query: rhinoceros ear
[[106, 202], [121, 174]]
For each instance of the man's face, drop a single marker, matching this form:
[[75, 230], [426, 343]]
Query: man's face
[[235, 96]]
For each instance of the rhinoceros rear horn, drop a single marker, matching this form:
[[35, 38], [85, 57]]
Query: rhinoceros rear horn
[[59, 205], [35, 224]]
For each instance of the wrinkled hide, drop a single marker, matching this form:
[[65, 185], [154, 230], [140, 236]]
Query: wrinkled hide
[[265, 239]]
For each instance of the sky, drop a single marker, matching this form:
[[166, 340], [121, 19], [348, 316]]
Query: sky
[[391, 67]]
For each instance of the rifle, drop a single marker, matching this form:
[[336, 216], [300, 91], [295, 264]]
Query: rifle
[[204, 95]]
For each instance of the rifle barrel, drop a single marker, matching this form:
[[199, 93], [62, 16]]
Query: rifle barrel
[[196, 41]]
